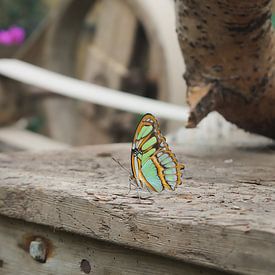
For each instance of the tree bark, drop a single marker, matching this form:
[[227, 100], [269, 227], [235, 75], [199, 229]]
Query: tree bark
[[228, 47]]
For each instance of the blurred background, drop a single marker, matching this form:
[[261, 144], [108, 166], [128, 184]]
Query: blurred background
[[125, 45]]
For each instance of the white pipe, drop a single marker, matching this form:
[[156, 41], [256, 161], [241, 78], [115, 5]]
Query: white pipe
[[78, 89]]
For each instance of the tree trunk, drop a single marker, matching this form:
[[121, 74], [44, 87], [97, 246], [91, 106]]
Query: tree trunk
[[228, 47]]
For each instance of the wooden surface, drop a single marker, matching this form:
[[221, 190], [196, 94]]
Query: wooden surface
[[221, 217], [67, 251]]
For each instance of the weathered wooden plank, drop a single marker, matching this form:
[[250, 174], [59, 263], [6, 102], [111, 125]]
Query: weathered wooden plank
[[71, 254], [222, 217]]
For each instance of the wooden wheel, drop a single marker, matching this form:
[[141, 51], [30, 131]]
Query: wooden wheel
[[123, 45]]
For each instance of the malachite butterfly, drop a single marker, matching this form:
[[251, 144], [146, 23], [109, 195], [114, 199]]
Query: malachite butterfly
[[153, 164]]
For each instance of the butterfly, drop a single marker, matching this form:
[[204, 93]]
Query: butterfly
[[153, 164]]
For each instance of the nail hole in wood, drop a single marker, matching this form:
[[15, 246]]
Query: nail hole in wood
[[85, 266]]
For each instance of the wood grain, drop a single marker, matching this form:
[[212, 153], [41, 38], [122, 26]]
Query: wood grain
[[67, 251], [221, 217]]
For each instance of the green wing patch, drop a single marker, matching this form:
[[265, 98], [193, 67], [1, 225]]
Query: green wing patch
[[150, 173], [149, 143], [145, 130], [147, 155]]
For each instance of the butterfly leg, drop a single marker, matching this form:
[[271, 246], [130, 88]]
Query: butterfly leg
[[138, 193], [131, 183], [149, 190], [130, 187]]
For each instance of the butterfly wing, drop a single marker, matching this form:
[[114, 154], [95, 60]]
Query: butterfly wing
[[153, 163], [143, 147]]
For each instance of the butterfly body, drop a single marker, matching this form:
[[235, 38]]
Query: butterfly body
[[153, 164]]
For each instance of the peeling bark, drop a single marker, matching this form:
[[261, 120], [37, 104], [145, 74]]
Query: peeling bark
[[228, 47]]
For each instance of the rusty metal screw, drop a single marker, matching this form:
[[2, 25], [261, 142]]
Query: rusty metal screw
[[38, 250]]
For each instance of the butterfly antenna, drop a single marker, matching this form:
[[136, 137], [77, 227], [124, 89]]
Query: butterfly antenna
[[123, 167]]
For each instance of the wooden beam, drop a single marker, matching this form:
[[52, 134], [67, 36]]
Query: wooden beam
[[71, 254], [221, 217]]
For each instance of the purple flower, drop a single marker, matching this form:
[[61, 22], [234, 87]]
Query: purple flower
[[17, 34], [13, 36], [5, 38]]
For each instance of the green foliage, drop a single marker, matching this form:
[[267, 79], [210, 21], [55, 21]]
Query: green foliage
[[23, 13]]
